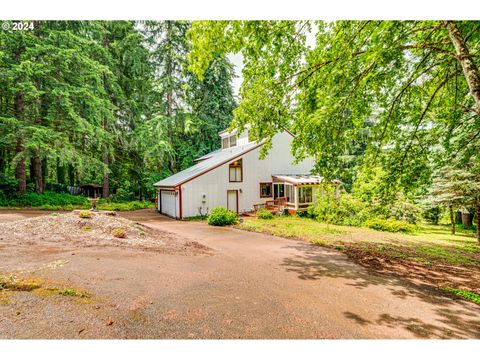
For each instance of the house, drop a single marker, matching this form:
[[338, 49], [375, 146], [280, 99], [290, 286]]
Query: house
[[236, 178]]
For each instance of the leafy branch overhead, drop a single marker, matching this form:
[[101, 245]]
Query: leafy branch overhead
[[401, 94]]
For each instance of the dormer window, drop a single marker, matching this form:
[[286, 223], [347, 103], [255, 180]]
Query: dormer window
[[233, 138], [225, 143], [228, 142]]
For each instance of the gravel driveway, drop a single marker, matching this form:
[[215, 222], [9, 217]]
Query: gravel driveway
[[250, 286]]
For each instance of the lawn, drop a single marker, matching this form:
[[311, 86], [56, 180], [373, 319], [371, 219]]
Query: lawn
[[430, 253]]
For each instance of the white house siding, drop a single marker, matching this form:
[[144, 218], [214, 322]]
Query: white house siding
[[215, 183]]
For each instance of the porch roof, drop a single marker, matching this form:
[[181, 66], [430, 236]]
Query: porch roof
[[298, 179]]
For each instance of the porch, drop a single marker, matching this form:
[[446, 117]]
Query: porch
[[291, 192]]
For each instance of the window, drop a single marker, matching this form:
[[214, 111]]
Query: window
[[265, 190], [233, 141], [235, 171], [278, 191], [290, 193], [224, 143], [304, 195]]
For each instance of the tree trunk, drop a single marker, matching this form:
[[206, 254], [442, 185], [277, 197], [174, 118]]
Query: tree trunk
[[20, 174], [478, 224], [44, 173], [3, 155], [452, 220], [467, 218], [60, 173], [469, 68], [37, 168], [106, 179], [71, 175]]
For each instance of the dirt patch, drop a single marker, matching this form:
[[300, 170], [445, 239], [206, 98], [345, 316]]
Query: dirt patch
[[99, 230], [439, 275]]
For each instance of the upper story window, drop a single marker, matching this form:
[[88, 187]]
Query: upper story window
[[225, 143], [230, 141], [235, 171]]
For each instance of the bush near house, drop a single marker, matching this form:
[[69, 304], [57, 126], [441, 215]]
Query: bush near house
[[219, 216], [264, 214]]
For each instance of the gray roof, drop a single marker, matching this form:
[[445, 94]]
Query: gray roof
[[217, 158], [207, 156]]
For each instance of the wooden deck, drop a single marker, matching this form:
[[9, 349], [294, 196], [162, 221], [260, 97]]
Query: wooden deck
[[274, 206]]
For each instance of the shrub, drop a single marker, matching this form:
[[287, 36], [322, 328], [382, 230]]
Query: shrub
[[264, 214], [104, 204], [389, 225], [48, 200], [85, 214], [432, 214], [338, 208], [220, 216], [119, 233]]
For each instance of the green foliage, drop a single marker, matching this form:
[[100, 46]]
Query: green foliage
[[119, 233], [73, 292], [85, 214], [336, 206], [389, 93], [219, 216], [432, 214], [471, 296], [105, 101], [46, 201], [456, 185], [264, 214], [389, 225], [104, 204]]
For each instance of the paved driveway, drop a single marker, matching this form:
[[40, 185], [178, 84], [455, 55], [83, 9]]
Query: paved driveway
[[252, 286], [266, 286]]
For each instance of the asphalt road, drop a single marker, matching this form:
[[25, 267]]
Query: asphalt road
[[251, 286]]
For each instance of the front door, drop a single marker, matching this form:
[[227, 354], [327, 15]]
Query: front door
[[232, 200]]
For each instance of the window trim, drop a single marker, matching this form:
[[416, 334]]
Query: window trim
[[271, 190], [230, 166]]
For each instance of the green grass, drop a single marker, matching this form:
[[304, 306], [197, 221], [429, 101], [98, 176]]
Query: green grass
[[291, 227], [197, 218], [428, 245], [468, 295]]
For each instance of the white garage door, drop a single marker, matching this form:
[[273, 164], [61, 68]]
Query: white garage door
[[168, 203]]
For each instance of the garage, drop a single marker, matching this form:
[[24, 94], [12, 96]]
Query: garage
[[168, 203]]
